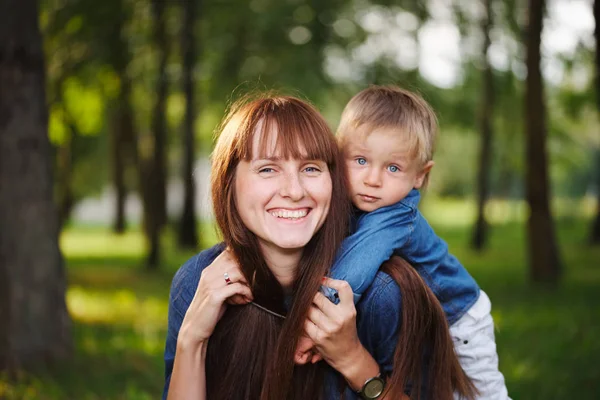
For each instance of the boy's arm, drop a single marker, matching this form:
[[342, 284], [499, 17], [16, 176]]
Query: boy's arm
[[378, 235]]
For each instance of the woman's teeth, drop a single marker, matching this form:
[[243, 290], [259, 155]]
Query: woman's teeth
[[289, 214]]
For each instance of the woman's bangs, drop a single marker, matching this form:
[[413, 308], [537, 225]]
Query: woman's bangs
[[293, 131]]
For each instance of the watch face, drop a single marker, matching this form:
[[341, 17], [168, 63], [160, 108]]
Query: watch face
[[374, 388]]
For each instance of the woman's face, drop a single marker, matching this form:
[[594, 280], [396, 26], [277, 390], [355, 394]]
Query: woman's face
[[283, 202]]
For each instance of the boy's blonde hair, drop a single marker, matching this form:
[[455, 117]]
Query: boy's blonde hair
[[391, 107]]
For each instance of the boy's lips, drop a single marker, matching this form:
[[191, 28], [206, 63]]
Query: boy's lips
[[367, 198]]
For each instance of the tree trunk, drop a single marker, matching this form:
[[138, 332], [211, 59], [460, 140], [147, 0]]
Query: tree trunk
[[151, 223], [118, 169], [35, 326], [126, 141], [543, 250], [159, 128], [595, 233], [188, 237], [483, 178], [123, 141]]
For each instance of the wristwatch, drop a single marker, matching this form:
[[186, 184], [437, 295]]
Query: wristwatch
[[373, 388]]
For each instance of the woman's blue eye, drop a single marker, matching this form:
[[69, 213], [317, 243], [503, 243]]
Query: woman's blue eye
[[265, 170], [361, 161], [393, 168], [311, 169]]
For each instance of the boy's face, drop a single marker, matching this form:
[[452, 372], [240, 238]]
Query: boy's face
[[380, 168]]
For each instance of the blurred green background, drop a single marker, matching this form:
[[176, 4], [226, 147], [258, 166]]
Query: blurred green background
[[135, 89]]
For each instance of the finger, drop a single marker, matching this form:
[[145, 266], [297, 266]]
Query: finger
[[344, 289], [316, 358], [234, 275], [305, 344], [227, 291], [226, 263], [238, 300], [323, 323], [312, 331], [325, 306], [302, 358]]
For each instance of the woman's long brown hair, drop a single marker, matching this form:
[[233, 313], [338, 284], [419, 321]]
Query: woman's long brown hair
[[251, 353], [424, 340]]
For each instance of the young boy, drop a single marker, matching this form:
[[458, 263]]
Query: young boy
[[388, 137]]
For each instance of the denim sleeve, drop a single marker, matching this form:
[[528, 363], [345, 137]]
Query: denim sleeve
[[380, 319], [378, 235], [183, 288]]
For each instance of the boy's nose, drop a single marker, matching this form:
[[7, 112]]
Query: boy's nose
[[373, 178]]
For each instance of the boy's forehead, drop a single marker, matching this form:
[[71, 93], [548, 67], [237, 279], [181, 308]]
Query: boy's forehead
[[399, 147]]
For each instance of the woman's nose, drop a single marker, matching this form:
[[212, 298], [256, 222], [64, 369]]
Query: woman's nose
[[292, 187], [373, 177]]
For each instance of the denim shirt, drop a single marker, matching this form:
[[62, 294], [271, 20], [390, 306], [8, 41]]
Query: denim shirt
[[378, 319], [401, 229]]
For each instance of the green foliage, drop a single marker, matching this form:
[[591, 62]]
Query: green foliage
[[265, 44]]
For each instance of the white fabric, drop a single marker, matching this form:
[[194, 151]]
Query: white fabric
[[475, 346]]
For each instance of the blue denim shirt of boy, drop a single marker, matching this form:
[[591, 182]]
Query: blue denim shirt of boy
[[401, 229], [379, 316]]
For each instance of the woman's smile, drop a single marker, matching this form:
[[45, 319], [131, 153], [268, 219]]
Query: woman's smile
[[290, 215]]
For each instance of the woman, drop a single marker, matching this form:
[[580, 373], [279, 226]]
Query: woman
[[280, 203]]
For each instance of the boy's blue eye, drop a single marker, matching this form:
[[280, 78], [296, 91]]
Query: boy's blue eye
[[361, 161], [393, 168]]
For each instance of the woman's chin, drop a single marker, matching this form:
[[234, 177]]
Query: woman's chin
[[288, 243], [292, 244]]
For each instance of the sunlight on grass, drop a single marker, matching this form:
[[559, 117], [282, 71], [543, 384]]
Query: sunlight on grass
[[101, 243], [462, 212], [147, 317]]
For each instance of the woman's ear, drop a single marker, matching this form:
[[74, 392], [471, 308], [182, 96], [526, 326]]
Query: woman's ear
[[421, 175]]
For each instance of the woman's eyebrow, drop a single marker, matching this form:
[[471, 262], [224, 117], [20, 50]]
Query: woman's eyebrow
[[277, 158], [270, 158]]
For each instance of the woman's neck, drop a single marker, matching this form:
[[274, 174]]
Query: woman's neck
[[283, 264]]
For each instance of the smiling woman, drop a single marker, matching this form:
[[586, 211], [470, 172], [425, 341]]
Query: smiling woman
[[276, 170]]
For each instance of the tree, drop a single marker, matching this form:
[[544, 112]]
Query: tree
[[188, 237], [543, 250], [595, 233], [487, 106], [123, 136], [35, 324], [159, 125]]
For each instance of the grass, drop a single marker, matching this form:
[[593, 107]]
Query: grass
[[547, 337]]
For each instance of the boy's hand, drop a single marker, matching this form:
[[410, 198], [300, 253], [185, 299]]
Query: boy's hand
[[306, 351]]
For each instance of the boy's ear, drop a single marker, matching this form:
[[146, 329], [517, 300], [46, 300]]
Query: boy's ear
[[423, 174]]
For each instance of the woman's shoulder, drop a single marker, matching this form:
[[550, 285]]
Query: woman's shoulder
[[187, 276]]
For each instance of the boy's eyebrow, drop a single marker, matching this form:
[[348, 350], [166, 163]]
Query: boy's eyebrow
[[360, 147], [401, 156]]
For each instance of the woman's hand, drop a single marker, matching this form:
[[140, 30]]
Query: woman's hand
[[333, 330], [332, 327], [208, 305]]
